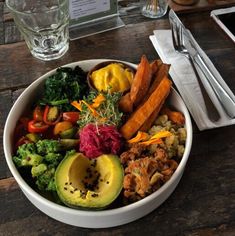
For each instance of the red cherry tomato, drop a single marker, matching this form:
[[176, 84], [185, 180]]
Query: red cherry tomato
[[51, 115], [71, 116], [37, 126], [38, 113], [22, 141]]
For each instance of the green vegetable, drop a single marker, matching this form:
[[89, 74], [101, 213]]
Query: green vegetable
[[64, 86], [43, 157], [46, 146], [27, 155], [46, 180], [108, 111], [53, 158], [38, 170]]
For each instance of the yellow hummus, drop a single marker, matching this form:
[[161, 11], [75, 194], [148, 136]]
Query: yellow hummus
[[113, 78]]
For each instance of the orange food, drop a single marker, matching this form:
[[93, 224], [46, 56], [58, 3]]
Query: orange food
[[144, 111], [175, 116], [141, 81], [125, 103], [155, 66], [62, 126]]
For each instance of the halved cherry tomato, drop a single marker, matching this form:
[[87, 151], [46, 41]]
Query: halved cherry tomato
[[37, 126], [51, 115], [22, 141], [62, 126], [71, 116], [38, 113]]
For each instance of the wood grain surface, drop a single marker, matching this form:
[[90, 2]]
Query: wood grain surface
[[203, 202]]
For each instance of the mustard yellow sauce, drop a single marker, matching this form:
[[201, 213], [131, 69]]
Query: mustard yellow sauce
[[113, 78]]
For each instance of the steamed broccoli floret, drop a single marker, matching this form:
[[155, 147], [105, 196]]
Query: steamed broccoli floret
[[46, 146], [43, 157], [38, 170], [46, 181], [27, 155], [53, 158]]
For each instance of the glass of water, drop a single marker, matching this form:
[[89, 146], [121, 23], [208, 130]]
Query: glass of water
[[44, 25], [154, 8]]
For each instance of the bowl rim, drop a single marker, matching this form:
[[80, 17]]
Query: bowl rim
[[105, 212]]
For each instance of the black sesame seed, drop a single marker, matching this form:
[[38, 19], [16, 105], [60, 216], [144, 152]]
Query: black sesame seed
[[71, 191], [65, 188], [107, 182], [66, 183]]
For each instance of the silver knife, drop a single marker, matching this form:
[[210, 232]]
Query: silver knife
[[225, 98]]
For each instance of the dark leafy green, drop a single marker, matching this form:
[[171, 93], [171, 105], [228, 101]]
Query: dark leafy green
[[65, 86]]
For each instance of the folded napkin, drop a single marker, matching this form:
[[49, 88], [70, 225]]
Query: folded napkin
[[186, 82]]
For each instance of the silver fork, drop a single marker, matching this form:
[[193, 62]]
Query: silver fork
[[179, 45]]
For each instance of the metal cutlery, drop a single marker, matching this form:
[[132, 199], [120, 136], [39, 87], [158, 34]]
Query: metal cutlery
[[180, 33], [179, 45]]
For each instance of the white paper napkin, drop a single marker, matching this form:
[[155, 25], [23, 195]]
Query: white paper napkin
[[186, 82]]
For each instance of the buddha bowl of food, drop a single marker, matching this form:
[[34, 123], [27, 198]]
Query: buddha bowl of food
[[102, 155]]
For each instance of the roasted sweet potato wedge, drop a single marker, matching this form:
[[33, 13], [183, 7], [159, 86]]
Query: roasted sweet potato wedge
[[144, 111], [125, 103], [175, 116], [149, 122], [141, 82], [155, 65]]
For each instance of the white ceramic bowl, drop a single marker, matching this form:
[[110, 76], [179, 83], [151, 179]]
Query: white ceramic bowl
[[81, 218]]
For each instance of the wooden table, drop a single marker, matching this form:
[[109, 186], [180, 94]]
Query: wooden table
[[204, 201]]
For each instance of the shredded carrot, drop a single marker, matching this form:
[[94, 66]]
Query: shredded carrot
[[98, 100], [141, 136], [93, 111], [77, 105]]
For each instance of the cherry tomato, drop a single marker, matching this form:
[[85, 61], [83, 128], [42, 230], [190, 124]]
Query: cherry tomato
[[51, 115], [62, 126], [22, 141], [37, 126], [38, 113], [71, 116]]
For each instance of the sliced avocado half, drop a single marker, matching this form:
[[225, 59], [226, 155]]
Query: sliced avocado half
[[90, 183]]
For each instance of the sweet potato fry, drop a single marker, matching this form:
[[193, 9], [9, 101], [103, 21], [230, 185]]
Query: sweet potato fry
[[141, 82], [175, 116], [149, 122], [144, 111], [155, 66], [125, 103], [161, 73]]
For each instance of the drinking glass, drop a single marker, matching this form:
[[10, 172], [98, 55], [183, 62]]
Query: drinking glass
[[44, 25], [154, 8]]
